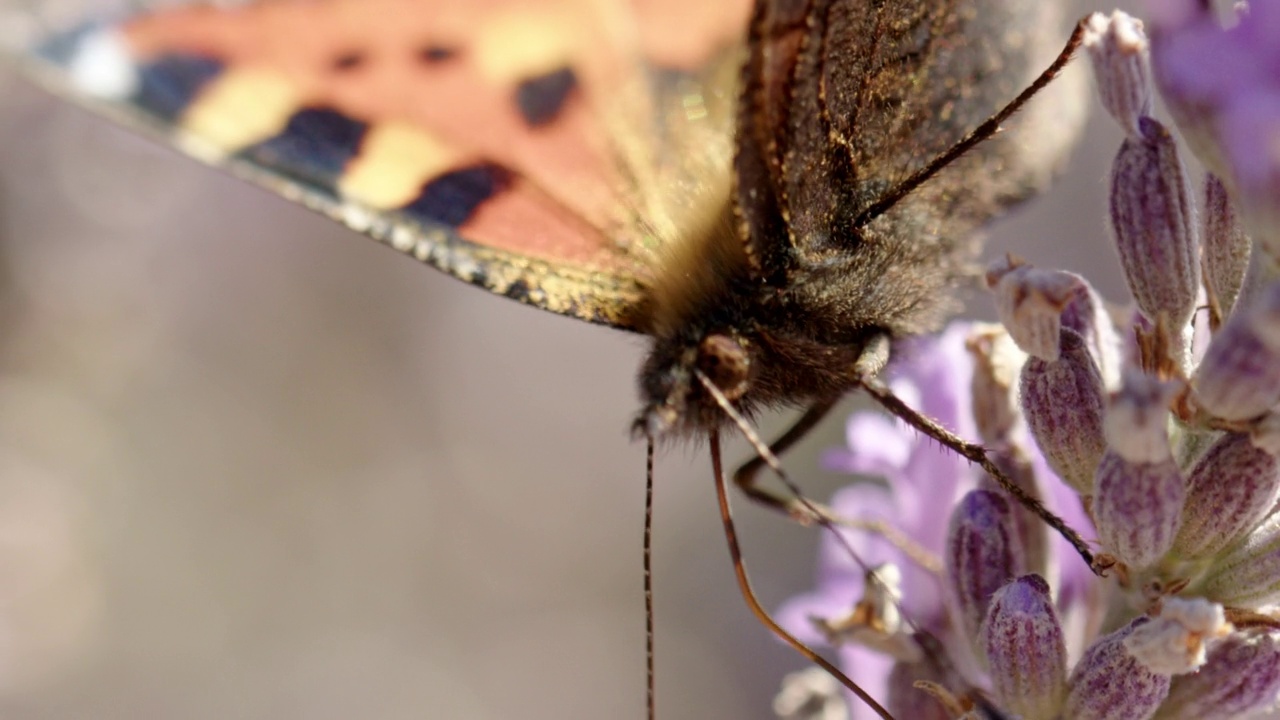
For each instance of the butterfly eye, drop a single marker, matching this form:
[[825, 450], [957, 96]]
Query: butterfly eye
[[723, 359]]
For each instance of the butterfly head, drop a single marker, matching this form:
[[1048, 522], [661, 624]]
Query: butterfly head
[[676, 401]]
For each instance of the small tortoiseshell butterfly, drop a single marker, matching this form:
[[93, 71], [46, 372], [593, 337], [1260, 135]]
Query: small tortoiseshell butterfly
[[773, 194]]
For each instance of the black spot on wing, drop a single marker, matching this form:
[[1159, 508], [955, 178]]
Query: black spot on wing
[[170, 83], [540, 99], [348, 61], [433, 54], [314, 147], [452, 198]]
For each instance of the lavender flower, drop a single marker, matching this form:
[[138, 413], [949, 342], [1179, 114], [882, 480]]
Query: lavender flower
[[1232, 487], [1226, 250], [1117, 46], [1139, 489], [1109, 683], [1222, 85], [1063, 402], [1240, 675], [1239, 378], [982, 554], [1172, 449], [925, 482], [1026, 650]]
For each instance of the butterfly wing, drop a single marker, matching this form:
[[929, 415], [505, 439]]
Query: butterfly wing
[[844, 99], [531, 148]]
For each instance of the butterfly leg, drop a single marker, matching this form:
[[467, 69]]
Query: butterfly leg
[[977, 455], [747, 480], [873, 358], [748, 593]]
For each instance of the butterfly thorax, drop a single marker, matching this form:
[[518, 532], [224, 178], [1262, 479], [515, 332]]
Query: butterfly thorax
[[762, 345]]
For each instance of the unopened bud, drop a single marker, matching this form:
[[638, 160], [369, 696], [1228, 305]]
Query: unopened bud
[[1030, 530], [1230, 489], [1137, 508], [982, 554], [1239, 377], [996, 363], [1108, 682], [1226, 247], [1240, 677], [1063, 404], [1155, 229], [1117, 46], [1248, 576], [1025, 650]]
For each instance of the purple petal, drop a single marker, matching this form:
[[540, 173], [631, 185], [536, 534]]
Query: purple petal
[[876, 447], [869, 669], [796, 615]]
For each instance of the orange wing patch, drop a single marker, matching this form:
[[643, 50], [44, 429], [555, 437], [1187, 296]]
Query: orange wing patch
[[493, 138]]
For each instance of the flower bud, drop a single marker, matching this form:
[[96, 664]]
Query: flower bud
[[1025, 650], [981, 555], [1154, 225], [1239, 377], [1137, 508], [1226, 247], [1030, 302], [1063, 403], [1028, 528], [1108, 683], [1136, 425], [1230, 489], [1139, 490], [1118, 48], [996, 362], [1240, 677], [1248, 576], [1174, 642], [1087, 314]]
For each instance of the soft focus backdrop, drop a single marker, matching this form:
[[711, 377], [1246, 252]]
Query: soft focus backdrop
[[254, 466]]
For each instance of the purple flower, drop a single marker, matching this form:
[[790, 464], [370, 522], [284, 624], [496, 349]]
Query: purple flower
[[1026, 650], [1109, 683], [1171, 444], [924, 481], [1222, 85]]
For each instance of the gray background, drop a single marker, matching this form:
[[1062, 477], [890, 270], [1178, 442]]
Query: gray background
[[253, 466]]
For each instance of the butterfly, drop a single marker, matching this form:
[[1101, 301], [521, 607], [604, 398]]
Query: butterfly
[[720, 178]]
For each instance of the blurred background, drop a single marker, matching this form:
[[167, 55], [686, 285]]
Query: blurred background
[[255, 466]]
